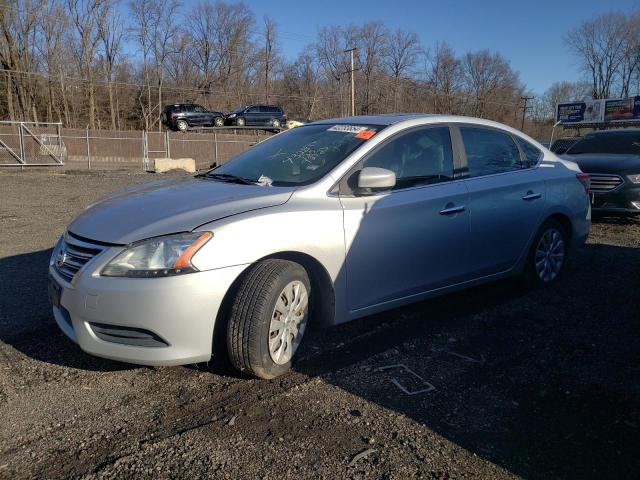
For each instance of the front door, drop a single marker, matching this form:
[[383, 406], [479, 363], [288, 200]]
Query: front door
[[414, 237]]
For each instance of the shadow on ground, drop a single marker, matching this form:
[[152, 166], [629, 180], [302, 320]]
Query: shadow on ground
[[545, 384]]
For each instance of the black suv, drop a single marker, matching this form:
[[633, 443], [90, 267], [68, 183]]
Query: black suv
[[182, 116], [260, 115], [612, 160]]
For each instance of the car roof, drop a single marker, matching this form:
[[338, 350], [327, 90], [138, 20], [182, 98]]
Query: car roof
[[394, 118]]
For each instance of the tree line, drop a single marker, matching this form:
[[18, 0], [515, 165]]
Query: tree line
[[113, 65]]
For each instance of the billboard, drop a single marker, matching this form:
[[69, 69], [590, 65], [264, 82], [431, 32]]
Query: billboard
[[622, 109], [599, 111], [589, 111]]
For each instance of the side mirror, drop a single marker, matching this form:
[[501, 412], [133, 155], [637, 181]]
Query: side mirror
[[376, 178]]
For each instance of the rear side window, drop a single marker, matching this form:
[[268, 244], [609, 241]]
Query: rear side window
[[489, 151], [532, 154], [418, 157]]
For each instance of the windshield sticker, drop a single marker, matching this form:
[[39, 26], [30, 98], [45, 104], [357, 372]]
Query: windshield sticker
[[366, 134], [346, 129]]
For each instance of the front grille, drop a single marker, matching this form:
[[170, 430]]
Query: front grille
[[603, 182], [73, 254]]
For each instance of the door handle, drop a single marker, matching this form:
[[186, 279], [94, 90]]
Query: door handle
[[450, 210], [532, 196]]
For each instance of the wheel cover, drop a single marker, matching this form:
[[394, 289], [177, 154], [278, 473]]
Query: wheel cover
[[288, 322], [182, 125], [276, 123], [549, 256], [218, 122], [240, 122]]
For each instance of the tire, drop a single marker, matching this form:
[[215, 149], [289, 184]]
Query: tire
[[547, 256], [182, 125], [276, 123], [255, 331], [218, 122], [240, 122]]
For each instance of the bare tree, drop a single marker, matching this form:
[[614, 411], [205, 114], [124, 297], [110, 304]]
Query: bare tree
[[85, 18], [401, 56], [372, 41], [599, 46], [18, 29], [445, 75], [491, 83], [110, 32], [269, 53]]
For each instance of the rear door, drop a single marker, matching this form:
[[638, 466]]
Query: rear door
[[506, 198], [414, 237]]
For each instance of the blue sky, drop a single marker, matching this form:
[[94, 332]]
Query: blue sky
[[528, 33]]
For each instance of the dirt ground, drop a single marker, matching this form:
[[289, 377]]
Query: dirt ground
[[540, 384]]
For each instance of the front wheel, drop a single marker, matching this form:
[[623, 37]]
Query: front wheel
[[276, 123], [548, 255], [240, 122], [269, 316]]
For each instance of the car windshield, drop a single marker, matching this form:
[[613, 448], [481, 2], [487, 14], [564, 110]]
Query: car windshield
[[297, 157], [625, 143]]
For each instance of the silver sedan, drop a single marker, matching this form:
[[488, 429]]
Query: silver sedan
[[322, 224]]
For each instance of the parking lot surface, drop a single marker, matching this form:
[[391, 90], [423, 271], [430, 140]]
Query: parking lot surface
[[532, 384]]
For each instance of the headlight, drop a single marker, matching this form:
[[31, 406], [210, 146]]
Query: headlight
[[158, 257], [233, 115], [634, 178]]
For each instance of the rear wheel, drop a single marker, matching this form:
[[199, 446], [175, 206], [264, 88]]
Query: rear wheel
[[276, 123], [548, 255], [268, 318], [218, 122], [182, 125]]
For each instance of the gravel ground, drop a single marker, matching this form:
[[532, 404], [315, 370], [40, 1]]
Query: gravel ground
[[542, 384]]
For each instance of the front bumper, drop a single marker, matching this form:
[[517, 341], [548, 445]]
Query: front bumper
[[180, 311], [625, 199]]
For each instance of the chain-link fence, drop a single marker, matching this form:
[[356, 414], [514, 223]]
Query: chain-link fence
[[110, 149]]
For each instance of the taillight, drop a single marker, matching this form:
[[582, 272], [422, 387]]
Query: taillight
[[172, 116], [584, 179]]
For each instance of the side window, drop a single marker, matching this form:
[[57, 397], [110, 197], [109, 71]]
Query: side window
[[531, 153], [489, 151], [253, 110], [198, 108], [418, 157]]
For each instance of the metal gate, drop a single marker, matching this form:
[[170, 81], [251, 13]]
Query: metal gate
[[31, 144]]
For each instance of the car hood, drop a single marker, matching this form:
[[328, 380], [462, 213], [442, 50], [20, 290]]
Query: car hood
[[606, 163], [160, 208]]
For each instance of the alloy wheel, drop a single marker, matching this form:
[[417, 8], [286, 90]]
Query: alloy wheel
[[549, 256]]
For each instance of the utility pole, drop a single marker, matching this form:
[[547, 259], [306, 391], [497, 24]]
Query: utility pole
[[353, 83], [524, 109]]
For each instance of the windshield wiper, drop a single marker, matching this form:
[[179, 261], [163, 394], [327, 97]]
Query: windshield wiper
[[227, 177]]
